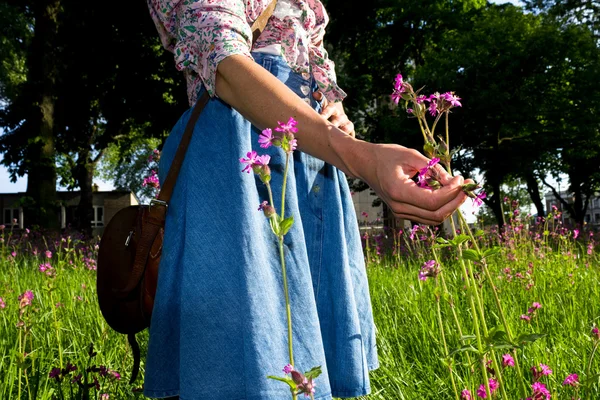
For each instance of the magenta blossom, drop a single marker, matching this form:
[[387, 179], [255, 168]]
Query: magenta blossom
[[2, 303], [571, 380], [25, 299], [525, 317], [596, 332], [430, 269], [452, 99], [543, 370], [575, 233], [478, 200], [425, 179], [540, 391], [466, 395], [266, 138], [494, 385], [288, 368], [48, 254], [507, 360], [289, 126], [254, 160]]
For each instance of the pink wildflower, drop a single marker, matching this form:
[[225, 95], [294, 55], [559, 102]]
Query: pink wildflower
[[288, 368], [466, 395], [289, 126], [451, 98], [539, 391], [430, 269], [266, 138], [494, 385], [478, 200], [425, 180], [575, 233], [508, 360], [596, 332], [25, 299], [48, 254], [525, 318], [253, 160], [2, 303], [104, 396], [571, 380]]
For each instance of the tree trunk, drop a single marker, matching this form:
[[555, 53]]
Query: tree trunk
[[41, 170], [495, 203], [533, 188], [84, 176]]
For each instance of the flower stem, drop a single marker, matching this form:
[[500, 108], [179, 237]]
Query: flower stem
[[446, 353], [589, 368], [285, 172], [56, 327]]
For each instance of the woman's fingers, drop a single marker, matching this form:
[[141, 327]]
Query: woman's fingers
[[429, 217], [426, 199]]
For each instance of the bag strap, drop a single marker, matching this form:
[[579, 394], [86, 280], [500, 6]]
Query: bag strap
[[167, 188]]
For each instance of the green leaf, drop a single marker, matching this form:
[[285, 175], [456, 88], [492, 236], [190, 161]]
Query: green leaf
[[313, 372], [479, 233], [460, 239], [492, 251], [442, 241], [286, 224], [470, 254], [463, 349], [528, 338], [273, 221], [287, 380]]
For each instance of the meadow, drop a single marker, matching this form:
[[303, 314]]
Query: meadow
[[54, 343]]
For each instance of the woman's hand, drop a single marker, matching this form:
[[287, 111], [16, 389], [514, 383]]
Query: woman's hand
[[334, 113], [390, 173]]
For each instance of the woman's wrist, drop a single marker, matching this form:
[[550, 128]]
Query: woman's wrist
[[355, 155]]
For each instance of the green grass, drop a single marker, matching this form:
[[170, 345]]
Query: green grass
[[409, 342]]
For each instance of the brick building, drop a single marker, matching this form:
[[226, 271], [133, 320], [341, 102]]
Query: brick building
[[106, 205]]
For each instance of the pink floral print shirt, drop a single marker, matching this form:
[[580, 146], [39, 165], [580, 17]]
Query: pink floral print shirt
[[201, 33]]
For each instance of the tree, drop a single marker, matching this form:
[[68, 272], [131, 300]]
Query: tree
[[110, 78]]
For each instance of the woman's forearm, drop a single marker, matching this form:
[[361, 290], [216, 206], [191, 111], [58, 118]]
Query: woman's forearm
[[263, 100]]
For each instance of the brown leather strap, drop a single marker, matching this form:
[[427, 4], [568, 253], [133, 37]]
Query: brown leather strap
[[167, 187]]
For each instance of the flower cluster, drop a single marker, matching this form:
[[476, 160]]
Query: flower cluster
[[539, 372], [430, 269], [304, 383], [494, 385], [531, 311], [152, 180], [286, 140], [427, 177], [508, 361]]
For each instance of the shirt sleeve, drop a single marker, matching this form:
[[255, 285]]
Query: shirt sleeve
[[323, 68], [201, 33]]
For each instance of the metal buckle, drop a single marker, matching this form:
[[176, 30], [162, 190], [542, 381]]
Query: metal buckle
[[158, 202]]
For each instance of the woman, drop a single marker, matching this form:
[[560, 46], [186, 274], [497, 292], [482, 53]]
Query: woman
[[218, 326]]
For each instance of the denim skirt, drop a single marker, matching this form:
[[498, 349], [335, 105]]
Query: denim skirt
[[219, 324]]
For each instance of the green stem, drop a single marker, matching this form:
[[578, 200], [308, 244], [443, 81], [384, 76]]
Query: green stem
[[19, 368], [451, 302], [287, 300], [496, 299], [287, 159], [446, 353], [589, 368], [56, 328]]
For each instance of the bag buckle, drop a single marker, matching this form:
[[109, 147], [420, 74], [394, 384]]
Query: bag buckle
[[158, 202]]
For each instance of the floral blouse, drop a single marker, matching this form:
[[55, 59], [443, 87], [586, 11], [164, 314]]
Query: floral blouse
[[201, 33]]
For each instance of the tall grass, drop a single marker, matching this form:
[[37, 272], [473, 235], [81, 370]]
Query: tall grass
[[543, 264]]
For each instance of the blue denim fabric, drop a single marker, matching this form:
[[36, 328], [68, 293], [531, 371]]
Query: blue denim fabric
[[219, 323]]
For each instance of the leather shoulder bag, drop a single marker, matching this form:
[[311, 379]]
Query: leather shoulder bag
[[131, 246]]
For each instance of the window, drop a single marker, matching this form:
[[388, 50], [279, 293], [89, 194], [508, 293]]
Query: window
[[11, 216], [98, 217], [597, 216], [587, 218]]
